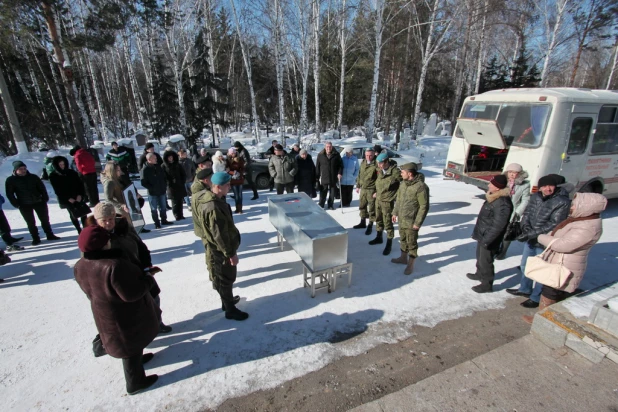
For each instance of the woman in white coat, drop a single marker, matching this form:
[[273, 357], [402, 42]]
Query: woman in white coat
[[218, 162]]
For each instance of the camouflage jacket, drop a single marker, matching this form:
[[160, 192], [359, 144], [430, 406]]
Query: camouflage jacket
[[412, 202], [367, 176], [214, 216], [387, 182]]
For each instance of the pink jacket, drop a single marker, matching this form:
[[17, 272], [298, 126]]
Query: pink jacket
[[577, 238]]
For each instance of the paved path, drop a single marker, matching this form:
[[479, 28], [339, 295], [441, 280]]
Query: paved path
[[524, 375]]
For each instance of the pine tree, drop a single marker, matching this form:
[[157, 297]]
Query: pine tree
[[165, 120]]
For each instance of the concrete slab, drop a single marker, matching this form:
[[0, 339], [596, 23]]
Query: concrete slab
[[548, 332]]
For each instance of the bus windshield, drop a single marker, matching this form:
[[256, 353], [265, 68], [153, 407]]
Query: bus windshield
[[521, 124]]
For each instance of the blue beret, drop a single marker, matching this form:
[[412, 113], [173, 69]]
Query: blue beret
[[220, 178], [382, 157]]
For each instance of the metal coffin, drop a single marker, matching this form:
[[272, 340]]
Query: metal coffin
[[318, 239]]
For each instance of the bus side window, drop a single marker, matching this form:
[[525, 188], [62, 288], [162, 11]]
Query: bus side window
[[580, 131]]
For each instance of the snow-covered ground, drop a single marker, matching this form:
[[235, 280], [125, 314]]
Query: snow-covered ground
[[46, 325]]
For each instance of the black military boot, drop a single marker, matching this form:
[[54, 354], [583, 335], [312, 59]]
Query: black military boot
[[387, 248], [232, 312], [369, 227], [362, 224], [378, 240]]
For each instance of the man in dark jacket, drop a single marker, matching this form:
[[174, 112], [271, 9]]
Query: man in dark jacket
[[148, 148], [366, 184], [27, 193], [5, 231], [175, 177], [489, 230], [153, 179], [86, 166], [69, 190], [123, 309], [189, 167], [548, 207], [243, 153], [410, 209], [328, 170], [214, 217]]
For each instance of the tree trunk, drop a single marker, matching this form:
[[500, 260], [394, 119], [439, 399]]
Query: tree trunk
[[561, 7], [376, 69], [133, 82], [22, 147], [481, 56], [405, 80], [316, 65], [65, 72], [614, 65]]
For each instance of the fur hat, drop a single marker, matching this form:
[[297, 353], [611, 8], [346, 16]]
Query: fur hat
[[218, 154], [220, 178], [93, 238], [17, 164], [148, 146], [548, 180], [499, 181], [104, 209], [514, 167]]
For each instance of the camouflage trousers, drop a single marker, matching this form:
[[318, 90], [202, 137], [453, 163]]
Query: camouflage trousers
[[223, 274], [367, 205], [384, 216], [408, 238]]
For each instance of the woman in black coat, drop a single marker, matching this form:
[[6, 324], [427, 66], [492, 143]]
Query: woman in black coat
[[305, 177], [175, 178], [123, 309], [68, 187]]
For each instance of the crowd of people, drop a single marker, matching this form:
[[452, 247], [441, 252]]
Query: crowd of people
[[116, 271]]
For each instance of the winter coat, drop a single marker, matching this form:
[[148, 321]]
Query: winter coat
[[327, 168], [387, 182], [65, 182], [175, 176], [25, 190], [543, 214], [198, 199], [143, 161], [282, 169], [305, 177], [521, 194], [197, 186], [367, 176], [153, 179], [113, 192], [124, 311], [412, 202], [218, 165], [577, 238], [189, 167], [121, 156], [493, 219], [350, 170], [236, 169], [215, 218], [84, 161]]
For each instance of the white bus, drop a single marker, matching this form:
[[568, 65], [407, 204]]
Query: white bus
[[567, 131]]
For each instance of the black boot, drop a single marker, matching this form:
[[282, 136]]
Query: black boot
[[51, 236], [232, 312], [236, 300], [362, 224], [369, 227], [483, 288], [135, 376], [387, 248], [378, 240], [255, 194], [155, 219], [36, 240]]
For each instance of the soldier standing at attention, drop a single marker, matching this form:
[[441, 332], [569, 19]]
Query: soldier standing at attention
[[222, 239], [387, 185], [411, 208], [366, 184]]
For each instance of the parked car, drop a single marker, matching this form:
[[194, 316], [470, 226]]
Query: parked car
[[358, 149]]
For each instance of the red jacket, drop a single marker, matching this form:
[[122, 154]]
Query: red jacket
[[84, 162]]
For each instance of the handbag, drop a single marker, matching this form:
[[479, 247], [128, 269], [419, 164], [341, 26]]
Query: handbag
[[513, 231], [554, 275], [79, 209]]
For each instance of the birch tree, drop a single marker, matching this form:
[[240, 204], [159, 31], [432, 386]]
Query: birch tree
[[554, 35], [9, 108], [303, 22]]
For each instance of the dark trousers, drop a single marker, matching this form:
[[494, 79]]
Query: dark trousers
[[223, 275], [553, 294], [27, 211], [485, 264], [5, 228], [177, 206], [331, 190], [92, 190], [134, 373], [76, 222], [289, 187], [249, 179], [346, 195]]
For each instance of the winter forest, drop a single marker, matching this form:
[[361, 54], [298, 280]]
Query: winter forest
[[74, 70]]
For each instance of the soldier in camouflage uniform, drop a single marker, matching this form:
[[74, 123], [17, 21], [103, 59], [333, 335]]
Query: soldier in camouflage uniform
[[203, 163], [410, 209], [387, 184], [215, 225], [366, 184]]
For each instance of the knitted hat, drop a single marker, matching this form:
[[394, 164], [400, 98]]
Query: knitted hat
[[231, 150], [514, 167], [548, 180], [74, 150], [409, 166], [278, 147], [17, 164], [499, 181], [382, 157], [218, 154], [347, 149], [93, 238], [204, 174], [103, 210], [148, 146], [220, 178]]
